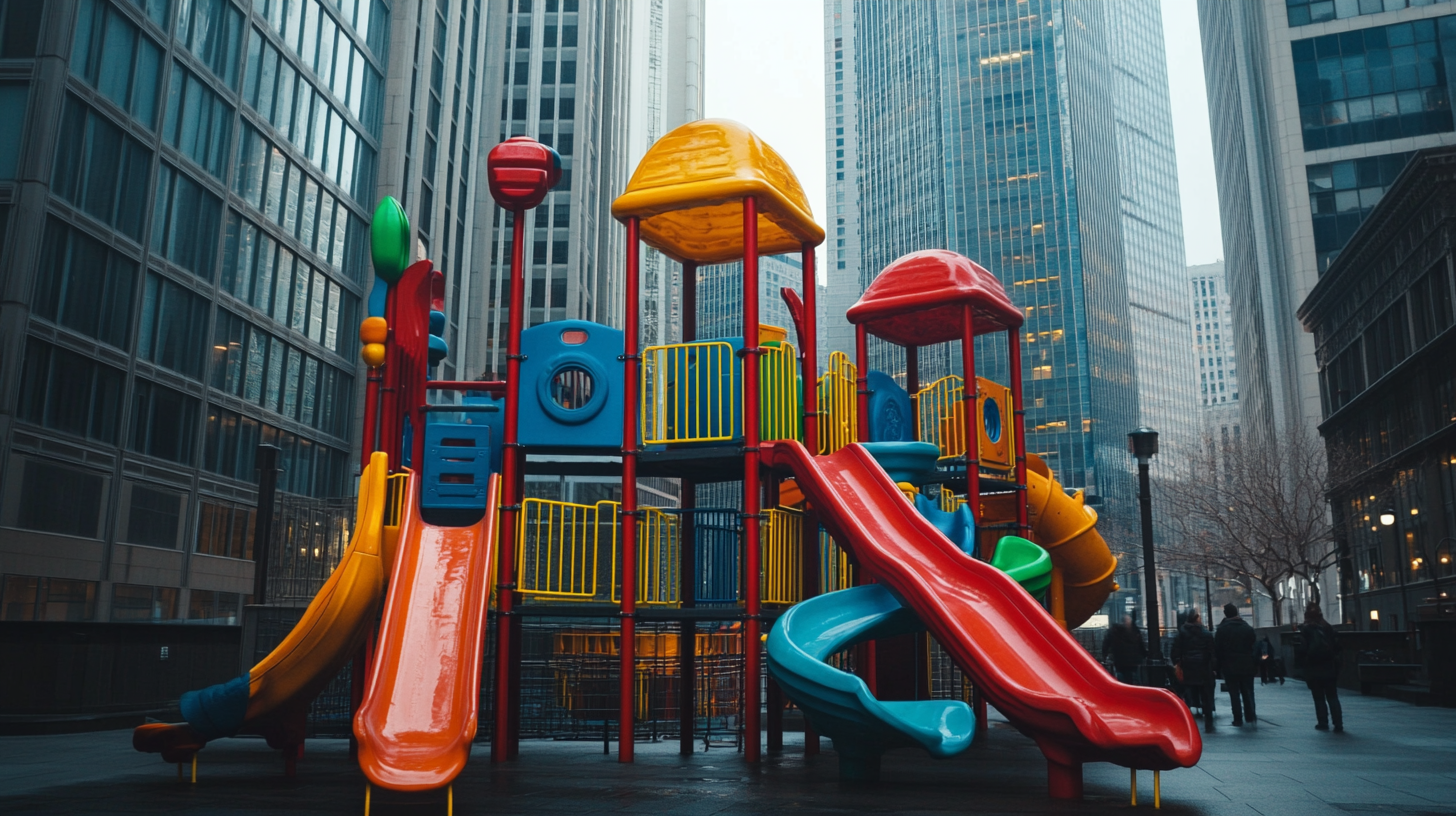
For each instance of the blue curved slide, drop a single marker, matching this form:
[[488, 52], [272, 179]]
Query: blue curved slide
[[839, 704]]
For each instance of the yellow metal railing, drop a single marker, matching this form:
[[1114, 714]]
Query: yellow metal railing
[[558, 550], [568, 551], [942, 415], [395, 496], [835, 571], [658, 559], [838, 404], [780, 411], [949, 501], [689, 393], [782, 570]]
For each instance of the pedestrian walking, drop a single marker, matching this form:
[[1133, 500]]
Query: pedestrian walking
[[1319, 654], [1195, 659], [1125, 648], [1234, 644], [1264, 654]]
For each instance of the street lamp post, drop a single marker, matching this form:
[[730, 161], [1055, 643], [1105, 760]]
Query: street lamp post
[[1143, 445], [1387, 519]]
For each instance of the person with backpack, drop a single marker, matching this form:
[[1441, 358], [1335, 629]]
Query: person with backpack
[[1194, 659], [1320, 656], [1234, 643]]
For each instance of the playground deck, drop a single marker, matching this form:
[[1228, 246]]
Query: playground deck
[[1396, 758]]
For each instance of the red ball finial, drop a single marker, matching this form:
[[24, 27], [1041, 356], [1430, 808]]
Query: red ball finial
[[521, 171]]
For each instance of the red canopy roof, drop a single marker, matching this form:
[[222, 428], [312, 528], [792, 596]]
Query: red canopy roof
[[917, 300]]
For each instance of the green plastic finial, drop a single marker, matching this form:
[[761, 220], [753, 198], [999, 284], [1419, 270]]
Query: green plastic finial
[[389, 236], [1025, 561]]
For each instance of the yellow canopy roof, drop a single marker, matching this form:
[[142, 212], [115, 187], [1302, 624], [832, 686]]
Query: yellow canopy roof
[[688, 192]]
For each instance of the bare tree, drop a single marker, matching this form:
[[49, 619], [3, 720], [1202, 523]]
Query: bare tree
[[1256, 510]]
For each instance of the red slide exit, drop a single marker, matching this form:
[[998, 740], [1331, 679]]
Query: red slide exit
[[1030, 668]]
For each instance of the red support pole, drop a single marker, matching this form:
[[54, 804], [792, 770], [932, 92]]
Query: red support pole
[[752, 648], [809, 532], [687, 648], [1018, 429], [972, 419], [810, 356], [369, 441], [500, 747], [862, 383], [631, 360], [391, 427]]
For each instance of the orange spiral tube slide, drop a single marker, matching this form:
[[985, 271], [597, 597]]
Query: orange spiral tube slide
[[1066, 528]]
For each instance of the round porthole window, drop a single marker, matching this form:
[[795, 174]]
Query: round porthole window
[[991, 419], [572, 387]]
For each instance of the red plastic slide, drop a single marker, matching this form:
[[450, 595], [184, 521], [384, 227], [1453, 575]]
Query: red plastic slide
[[419, 713], [1030, 668]]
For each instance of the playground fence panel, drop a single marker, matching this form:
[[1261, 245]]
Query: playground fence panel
[[716, 539], [689, 393], [780, 547], [781, 404], [942, 415], [658, 559], [838, 404], [949, 501], [558, 549], [835, 570]]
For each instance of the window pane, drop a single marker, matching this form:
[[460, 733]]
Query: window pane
[[154, 517], [59, 499]]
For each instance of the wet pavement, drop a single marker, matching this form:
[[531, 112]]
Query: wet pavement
[[1394, 759]]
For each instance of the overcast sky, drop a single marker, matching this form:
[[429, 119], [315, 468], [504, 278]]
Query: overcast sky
[[765, 68]]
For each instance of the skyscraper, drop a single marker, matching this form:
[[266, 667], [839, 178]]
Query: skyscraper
[[1035, 138], [599, 81], [183, 251], [1315, 108], [1212, 320]]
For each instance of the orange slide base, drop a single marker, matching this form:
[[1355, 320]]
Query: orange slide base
[[1027, 665], [420, 706]]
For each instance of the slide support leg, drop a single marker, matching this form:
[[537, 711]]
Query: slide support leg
[[1157, 791], [1064, 781], [194, 769], [1134, 786]]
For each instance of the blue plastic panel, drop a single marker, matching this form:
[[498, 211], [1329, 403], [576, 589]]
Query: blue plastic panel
[[891, 417], [456, 470], [571, 385]]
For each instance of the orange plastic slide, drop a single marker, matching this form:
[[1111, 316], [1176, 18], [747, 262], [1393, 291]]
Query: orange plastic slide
[[420, 706], [1030, 668]]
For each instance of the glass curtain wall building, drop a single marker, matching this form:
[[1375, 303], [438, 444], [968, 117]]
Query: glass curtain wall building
[[1316, 106], [961, 129], [184, 192]]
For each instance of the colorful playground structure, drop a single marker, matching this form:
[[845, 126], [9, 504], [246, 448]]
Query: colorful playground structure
[[873, 517]]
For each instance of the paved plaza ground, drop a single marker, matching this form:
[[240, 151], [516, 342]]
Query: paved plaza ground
[[1394, 759]]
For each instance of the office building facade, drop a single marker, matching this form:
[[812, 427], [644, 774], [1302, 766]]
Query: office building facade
[[599, 81], [184, 198], [1315, 109], [1382, 322]]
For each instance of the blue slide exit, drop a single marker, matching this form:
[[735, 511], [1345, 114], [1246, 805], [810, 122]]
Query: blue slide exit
[[839, 704]]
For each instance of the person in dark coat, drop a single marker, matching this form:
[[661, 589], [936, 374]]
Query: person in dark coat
[[1320, 655], [1125, 646], [1194, 653], [1264, 656], [1234, 644]]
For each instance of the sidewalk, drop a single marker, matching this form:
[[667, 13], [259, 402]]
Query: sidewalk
[[1394, 758]]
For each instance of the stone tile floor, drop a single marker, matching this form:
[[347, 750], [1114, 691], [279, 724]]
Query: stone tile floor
[[1394, 759]]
